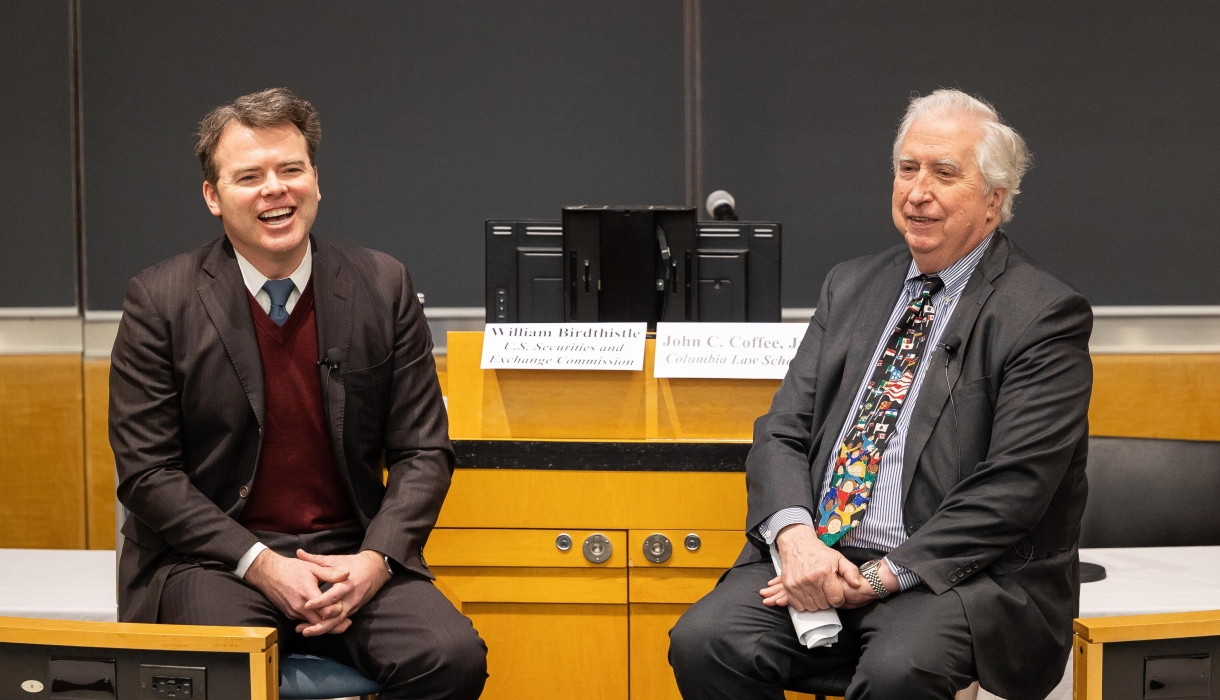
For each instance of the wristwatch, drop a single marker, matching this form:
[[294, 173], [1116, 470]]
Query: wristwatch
[[869, 571]]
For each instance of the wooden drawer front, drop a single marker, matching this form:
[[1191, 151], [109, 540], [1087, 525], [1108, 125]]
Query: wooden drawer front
[[550, 499], [686, 576], [671, 585], [502, 584], [718, 549], [519, 548]]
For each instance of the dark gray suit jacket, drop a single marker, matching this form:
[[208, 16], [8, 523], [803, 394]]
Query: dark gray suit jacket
[[998, 526], [187, 411]]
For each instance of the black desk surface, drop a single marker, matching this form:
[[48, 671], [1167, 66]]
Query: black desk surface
[[602, 456]]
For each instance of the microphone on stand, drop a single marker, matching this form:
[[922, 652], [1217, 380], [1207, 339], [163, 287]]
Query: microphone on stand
[[721, 206]]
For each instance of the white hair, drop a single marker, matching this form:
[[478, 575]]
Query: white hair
[[1000, 153]]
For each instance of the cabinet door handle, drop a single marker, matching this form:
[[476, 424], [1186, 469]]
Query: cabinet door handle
[[597, 548], [657, 548]]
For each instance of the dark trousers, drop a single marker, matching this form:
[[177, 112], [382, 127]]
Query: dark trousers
[[409, 637], [729, 645]]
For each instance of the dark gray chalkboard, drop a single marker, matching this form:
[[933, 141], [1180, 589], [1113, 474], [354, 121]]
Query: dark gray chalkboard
[[1119, 101], [37, 219], [435, 117]]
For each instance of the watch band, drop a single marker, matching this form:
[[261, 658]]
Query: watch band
[[869, 572]]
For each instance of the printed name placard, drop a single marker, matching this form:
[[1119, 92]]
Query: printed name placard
[[726, 350], [617, 346]]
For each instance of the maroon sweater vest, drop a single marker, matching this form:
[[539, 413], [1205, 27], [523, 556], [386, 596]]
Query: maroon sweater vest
[[297, 487]]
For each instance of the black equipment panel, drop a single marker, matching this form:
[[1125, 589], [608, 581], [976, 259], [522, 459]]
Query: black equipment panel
[[632, 264], [90, 672]]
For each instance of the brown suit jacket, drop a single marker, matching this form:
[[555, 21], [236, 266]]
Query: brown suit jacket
[[993, 482], [187, 411]]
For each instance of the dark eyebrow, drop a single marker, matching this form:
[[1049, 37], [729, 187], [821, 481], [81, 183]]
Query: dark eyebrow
[[296, 161]]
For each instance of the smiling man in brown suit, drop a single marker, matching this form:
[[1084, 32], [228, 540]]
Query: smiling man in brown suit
[[259, 386]]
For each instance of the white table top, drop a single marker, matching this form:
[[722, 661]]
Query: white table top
[[1145, 580], [62, 584]]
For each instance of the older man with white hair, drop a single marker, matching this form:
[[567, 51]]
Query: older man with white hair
[[922, 467]]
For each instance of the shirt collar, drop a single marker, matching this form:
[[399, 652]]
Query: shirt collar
[[255, 280], [958, 274]]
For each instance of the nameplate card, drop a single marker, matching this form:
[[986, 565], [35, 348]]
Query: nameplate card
[[616, 346], [726, 350]]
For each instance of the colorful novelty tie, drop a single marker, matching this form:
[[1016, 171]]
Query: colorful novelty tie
[[859, 457]]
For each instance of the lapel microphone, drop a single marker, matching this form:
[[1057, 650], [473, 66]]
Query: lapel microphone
[[950, 346], [330, 362]]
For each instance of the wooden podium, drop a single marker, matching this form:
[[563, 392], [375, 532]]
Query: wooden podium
[[551, 458]]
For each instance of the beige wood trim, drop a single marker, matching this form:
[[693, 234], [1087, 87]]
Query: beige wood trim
[[1086, 669], [265, 674], [131, 635], [1127, 628], [472, 584], [500, 547]]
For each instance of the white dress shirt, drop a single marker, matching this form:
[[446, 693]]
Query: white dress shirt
[[254, 282]]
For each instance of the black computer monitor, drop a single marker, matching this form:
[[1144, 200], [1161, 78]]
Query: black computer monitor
[[632, 264]]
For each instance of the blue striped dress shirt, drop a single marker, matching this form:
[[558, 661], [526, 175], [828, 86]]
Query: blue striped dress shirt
[[882, 528]]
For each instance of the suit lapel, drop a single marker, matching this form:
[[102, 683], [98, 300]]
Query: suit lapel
[[934, 391], [867, 325], [224, 298], [333, 317]]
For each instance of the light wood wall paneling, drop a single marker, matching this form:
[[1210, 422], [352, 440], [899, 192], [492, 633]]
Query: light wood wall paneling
[[99, 458], [42, 472], [1156, 396]]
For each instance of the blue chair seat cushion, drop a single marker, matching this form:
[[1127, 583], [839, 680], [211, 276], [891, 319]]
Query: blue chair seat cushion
[[304, 677]]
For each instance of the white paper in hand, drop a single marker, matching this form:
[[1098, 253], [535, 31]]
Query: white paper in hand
[[819, 628]]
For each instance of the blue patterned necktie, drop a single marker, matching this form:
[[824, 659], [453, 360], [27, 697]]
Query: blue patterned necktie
[[279, 291]]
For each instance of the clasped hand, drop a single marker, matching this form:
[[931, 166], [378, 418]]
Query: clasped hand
[[295, 586], [814, 576]]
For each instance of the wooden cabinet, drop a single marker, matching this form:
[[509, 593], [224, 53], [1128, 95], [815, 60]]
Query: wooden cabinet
[[621, 454], [558, 625]]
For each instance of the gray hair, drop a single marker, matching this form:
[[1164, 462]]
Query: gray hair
[[1000, 153]]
